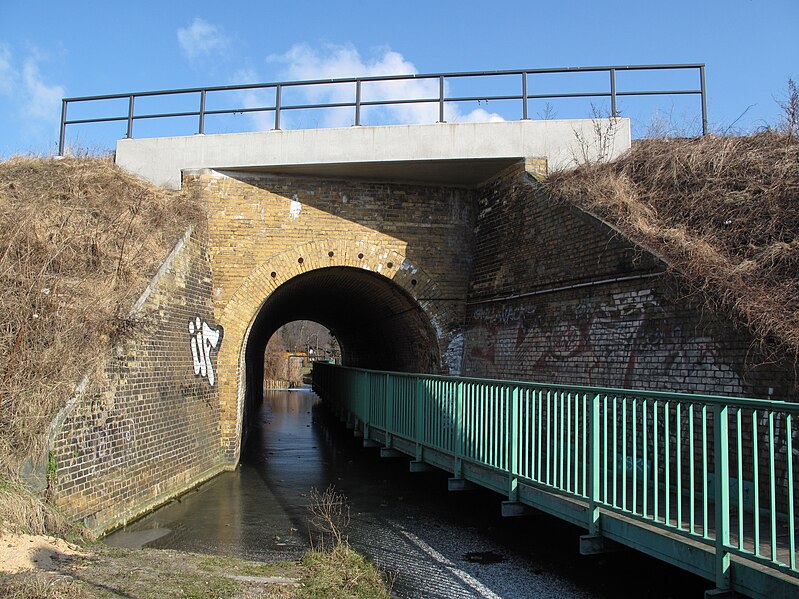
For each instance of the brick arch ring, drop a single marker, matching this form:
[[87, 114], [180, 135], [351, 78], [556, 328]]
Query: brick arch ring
[[245, 303]]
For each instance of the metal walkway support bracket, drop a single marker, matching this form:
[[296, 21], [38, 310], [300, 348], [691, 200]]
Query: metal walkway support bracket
[[387, 452], [512, 509], [597, 544], [420, 466], [461, 484], [721, 594]]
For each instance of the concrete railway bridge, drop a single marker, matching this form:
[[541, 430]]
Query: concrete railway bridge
[[434, 251]]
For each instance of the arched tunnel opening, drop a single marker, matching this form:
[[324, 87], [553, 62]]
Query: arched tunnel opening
[[377, 324]]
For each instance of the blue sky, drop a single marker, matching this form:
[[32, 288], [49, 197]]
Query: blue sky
[[50, 49]]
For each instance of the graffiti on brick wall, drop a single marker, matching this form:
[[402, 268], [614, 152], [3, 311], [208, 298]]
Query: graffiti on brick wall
[[202, 340], [103, 441], [629, 341]]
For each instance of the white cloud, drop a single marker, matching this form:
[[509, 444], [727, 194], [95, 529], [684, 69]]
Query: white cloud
[[8, 75], [303, 62], [201, 38], [35, 99], [43, 101]]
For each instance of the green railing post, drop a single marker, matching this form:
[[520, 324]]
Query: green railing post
[[363, 389], [388, 394], [513, 446], [722, 495], [593, 492], [459, 432], [419, 404], [366, 403]]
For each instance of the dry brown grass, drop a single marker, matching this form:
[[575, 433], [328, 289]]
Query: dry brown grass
[[723, 212], [23, 512], [79, 240]]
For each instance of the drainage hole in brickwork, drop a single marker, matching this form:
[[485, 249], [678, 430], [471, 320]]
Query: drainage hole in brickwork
[[299, 260], [414, 281], [330, 253], [390, 265], [360, 256], [274, 274]]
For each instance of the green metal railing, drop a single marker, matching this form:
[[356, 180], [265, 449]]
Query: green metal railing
[[704, 482]]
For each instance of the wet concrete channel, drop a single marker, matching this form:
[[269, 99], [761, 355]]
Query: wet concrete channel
[[433, 543]]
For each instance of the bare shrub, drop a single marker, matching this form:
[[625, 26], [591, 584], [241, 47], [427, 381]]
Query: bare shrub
[[598, 147], [330, 517], [789, 121]]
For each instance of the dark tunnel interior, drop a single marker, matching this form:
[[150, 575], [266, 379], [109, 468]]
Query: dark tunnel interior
[[377, 323]]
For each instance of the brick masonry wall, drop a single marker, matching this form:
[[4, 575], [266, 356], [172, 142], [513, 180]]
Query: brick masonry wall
[[557, 296], [149, 429], [417, 236]]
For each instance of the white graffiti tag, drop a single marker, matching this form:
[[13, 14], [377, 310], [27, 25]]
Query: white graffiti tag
[[203, 340]]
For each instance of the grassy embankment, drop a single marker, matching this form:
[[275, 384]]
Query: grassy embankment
[[79, 240], [722, 212]]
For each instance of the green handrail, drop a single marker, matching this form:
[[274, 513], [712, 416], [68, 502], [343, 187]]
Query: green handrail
[[717, 472]]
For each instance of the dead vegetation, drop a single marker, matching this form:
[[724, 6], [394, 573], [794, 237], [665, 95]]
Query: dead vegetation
[[79, 240], [723, 212]]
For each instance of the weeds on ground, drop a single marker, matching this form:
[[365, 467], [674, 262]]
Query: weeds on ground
[[24, 512], [42, 585], [334, 569]]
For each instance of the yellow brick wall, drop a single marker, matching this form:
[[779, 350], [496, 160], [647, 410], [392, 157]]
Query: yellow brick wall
[[260, 226]]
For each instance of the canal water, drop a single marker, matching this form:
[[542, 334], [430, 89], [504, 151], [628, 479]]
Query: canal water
[[432, 543]]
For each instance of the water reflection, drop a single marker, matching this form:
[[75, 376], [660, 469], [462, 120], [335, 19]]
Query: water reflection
[[407, 523]]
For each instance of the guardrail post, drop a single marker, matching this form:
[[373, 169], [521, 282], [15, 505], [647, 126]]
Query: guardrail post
[[613, 110], [458, 468], [388, 402], [594, 477], [419, 396], [61, 138], [363, 402], [129, 133], [594, 542], [277, 107], [722, 494], [513, 446], [358, 103], [703, 94], [524, 97], [201, 129], [441, 99]]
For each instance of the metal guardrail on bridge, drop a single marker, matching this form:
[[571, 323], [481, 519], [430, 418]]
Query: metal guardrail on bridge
[[357, 103], [703, 482]]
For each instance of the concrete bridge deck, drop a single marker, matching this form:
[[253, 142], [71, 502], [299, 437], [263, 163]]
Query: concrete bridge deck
[[439, 153]]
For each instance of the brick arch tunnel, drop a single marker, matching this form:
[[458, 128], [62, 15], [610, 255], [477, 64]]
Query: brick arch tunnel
[[377, 323]]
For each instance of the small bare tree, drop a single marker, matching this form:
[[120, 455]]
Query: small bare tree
[[330, 516], [597, 146], [789, 121]]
